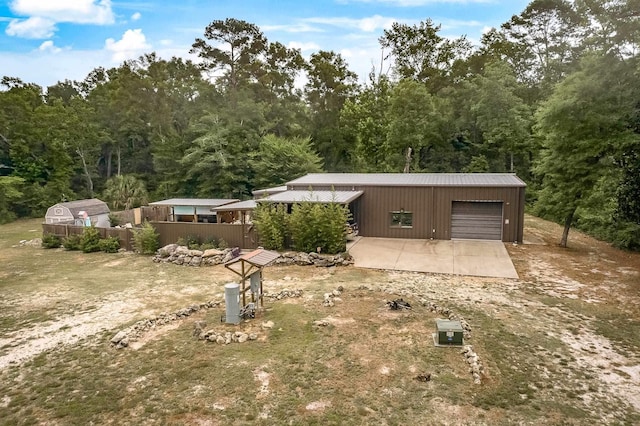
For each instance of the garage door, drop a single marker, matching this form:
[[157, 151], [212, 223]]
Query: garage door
[[476, 220]]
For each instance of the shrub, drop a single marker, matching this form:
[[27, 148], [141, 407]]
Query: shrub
[[146, 239], [222, 244], [114, 219], [90, 240], [319, 226], [271, 223], [72, 242], [110, 244], [51, 241], [193, 242]]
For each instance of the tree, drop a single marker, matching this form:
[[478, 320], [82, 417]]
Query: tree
[[545, 35], [10, 194], [279, 160], [239, 56], [501, 114], [330, 84], [124, 192], [582, 125], [421, 54], [366, 117], [413, 130]]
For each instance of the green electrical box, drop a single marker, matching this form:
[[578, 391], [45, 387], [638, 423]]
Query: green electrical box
[[449, 332]]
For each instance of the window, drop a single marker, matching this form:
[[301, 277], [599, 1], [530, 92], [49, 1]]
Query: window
[[58, 211], [401, 219]]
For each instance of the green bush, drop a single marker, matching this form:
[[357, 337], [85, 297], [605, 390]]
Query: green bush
[[316, 226], [193, 242], [222, 244], [72, 242], [51, 241], [271, 223], [110, 244], [90, 240], [114, 219], [146, 239]]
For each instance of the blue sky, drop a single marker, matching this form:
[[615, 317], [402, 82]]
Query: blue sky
[[45, 41]]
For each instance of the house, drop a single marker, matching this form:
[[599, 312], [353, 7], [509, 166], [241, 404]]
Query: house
[[440, 206], [194, 209], [81, 212]]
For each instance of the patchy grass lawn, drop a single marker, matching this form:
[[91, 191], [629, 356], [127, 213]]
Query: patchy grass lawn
[[559, 346]]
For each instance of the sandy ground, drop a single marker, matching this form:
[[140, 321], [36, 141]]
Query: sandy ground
[[592, 274]]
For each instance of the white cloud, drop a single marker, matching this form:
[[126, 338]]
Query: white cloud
[[136, 16], [300, 27], [48, 46], [303, 46], [132, 44], [77, 11], [413, 3], [369, 24], [34, 27]]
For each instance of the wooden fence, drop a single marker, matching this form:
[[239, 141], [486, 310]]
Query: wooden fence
[[64, 230], [243, 236]]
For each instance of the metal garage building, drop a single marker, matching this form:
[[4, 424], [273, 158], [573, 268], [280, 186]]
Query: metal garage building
[[428, 205]]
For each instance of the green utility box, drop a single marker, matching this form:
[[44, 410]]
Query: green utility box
[[449, 332]]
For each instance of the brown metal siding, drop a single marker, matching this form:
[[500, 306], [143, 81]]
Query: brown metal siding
[[242, 236], [431, 208], [377, 203]]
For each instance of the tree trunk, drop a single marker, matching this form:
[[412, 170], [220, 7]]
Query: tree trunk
[[118, 161], [86, 172], [407, 161], [567, 226], [511, 161], [109, 157]]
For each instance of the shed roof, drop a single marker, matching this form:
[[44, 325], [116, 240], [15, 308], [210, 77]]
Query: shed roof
[[92, 206], [259, 257], [239, 206], [201, 202], [294, 196], [410, 179]]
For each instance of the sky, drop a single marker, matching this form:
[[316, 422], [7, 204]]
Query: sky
[[46, 41]]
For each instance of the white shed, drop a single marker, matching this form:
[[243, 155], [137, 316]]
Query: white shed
[[76, 212]]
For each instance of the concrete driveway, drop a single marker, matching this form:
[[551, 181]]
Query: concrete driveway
[[459, 257]]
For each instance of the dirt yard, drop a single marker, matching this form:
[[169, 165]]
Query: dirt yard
[[561, 345]]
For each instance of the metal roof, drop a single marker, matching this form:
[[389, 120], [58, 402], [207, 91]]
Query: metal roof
[[241, 205], [409, 179], [259, 257], [92, 206], [203, 202], [267, 191], [341, 197]]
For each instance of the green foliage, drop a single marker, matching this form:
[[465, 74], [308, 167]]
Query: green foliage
[[270, 221], [222, 244], [114, 219], [110, 244], [72, 242], [478, 164], [125, 192], [146, 239], [10, 195], [90, 240], [316, 226], [279, 160], [51, 241]]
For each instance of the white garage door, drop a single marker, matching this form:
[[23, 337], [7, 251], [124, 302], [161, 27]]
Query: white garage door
[[476, 220]]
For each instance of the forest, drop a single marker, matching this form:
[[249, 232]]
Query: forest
[[552, 95]]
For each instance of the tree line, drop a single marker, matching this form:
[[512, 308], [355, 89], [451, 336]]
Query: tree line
[[552, 95]]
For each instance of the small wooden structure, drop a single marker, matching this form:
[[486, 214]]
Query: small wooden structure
[[249, 266]]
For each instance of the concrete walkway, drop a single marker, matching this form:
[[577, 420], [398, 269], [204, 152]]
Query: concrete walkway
[[459, 257]]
